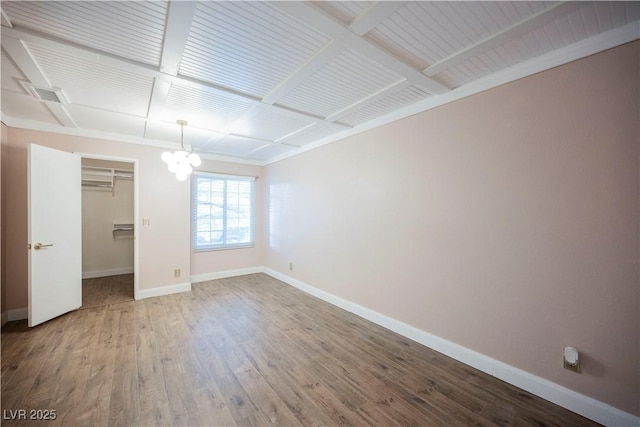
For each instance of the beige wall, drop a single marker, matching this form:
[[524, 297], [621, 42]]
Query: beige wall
[[164, 245], [105, 252], [3, 290], [506, 222]]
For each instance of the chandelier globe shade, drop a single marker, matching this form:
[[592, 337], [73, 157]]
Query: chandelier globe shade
[[181, 162]]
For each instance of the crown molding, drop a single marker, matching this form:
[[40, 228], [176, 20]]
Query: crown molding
[[582, 49]]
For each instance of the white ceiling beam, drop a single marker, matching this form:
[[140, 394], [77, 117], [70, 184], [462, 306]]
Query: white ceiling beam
[[323, 23], [179, 18], [115, 61], [373, 15], [80, 51], [313, 64], [374, 97], [29, 67], [5, 19], [513, 32], [25, 61], [159, 95]]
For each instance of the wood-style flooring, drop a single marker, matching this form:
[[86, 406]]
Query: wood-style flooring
[[107, 290], [248, 351]]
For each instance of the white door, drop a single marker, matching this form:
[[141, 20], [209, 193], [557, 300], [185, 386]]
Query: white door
[[55, 233]]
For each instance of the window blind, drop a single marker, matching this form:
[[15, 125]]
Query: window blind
[[223, 211]]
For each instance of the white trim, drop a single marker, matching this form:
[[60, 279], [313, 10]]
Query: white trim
[[136, 214], [163, 290], [106, 273], [224, 274], [562, 396], [584, 48], [112, 136], [15, 314], [579, 50]]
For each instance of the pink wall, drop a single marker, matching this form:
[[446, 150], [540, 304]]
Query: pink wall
[[506, 222], [164, 246]]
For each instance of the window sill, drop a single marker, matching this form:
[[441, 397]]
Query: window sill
[[225, 248]]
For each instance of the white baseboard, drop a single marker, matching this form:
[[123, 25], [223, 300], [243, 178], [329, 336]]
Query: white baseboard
[[106, 273], [163, 290], [562, 396], [224, 274], [15, 314]]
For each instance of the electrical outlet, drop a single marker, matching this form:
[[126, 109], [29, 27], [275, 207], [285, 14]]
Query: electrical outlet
[[571, 359], [291, 266], [177, 272]]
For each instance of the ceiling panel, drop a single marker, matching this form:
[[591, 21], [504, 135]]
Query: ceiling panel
[[26, 108], [193, 137], [110, 26], [270, 151], [257, 80], [107, 121], [94, 84], [586, 21], [204, 109], [386, 105], [343, 11], [232, 145], [426, 32], [313, 133], [247, 46], [348, 78], [270, 124], [11, 75]]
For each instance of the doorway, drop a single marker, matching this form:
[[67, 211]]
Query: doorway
[[109, 249]]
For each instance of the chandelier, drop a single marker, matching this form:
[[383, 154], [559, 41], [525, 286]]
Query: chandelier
[[182, 161]]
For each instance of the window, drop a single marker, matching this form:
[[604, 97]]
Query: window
[[223, 211]]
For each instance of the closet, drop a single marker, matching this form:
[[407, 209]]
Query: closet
[[107, 227]]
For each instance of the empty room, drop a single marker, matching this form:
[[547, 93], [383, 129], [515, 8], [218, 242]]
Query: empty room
[[288, 213]]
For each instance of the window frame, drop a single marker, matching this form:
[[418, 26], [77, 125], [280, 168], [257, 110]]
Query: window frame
[[196, 178]]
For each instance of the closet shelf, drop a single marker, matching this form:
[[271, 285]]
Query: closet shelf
[[122, 227], [103, 178]]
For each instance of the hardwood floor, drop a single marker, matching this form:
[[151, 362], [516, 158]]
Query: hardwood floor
[[107, 290], [249, 350]]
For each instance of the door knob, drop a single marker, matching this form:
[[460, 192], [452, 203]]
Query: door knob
[[38, 246]]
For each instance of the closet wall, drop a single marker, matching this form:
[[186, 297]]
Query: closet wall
[[107, 220]]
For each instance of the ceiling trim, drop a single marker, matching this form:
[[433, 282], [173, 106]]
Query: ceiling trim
[[372, 16], [317, 61], [159, 95], [513, 32], [29, 67], [315, 18], [6, 22], [143, 69], [179, 17], [114, 137], [374, 97], [589, 46]]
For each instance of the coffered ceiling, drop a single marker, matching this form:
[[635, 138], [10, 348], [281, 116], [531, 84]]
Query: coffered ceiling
[[259, 81]]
